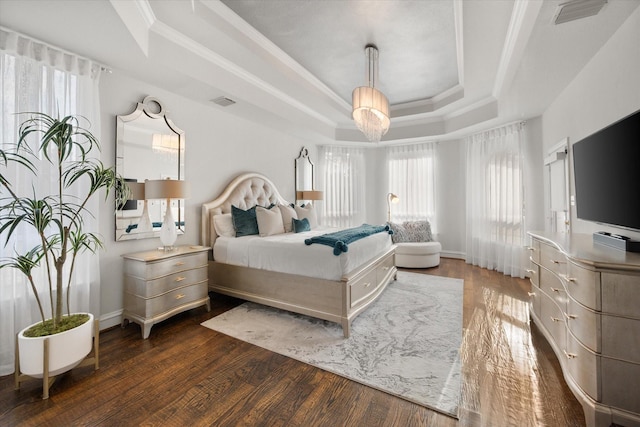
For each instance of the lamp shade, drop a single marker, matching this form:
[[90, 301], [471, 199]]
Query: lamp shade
[[309, 195], [370, 106], [137, 190], [166, 189], [371, 112]]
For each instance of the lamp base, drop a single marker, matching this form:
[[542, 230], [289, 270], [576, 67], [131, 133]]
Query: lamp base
[[168, 232]]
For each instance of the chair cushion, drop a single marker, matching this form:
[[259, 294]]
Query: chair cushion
[[418, 248]]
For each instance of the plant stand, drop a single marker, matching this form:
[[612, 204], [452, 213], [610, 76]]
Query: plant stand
[[47, 381]]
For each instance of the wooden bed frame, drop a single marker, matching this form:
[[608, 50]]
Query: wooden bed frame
[[338, 301]]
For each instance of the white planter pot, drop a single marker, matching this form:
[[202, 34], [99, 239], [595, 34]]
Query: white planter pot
[[66, 350]]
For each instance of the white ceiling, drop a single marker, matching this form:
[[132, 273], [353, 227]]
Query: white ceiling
[[448, 67]]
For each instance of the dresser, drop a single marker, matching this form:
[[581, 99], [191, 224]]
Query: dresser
[[159, 284], [585, 299]]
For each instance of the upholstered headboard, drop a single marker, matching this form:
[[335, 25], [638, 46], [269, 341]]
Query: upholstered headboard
[[244, 192]]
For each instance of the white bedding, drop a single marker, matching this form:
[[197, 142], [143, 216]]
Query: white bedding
[[287, 253]]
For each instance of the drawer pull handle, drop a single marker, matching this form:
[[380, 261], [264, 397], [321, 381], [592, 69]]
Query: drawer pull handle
[[180, 279], [567, 278], [555, 290], [532, 249], [531, 294], [555, 319], [179, 263], [385, 268], [180, 296], [557, 262], [531, 271], [570, 355], [571, 316], [366, 285]]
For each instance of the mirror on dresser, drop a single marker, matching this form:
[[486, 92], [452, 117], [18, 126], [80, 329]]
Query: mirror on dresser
[[149, 146]]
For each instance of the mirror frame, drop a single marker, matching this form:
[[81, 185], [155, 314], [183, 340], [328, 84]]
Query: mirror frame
[[303, 165], [152, 108]]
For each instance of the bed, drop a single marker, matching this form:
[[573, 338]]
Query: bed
[[337, 296]]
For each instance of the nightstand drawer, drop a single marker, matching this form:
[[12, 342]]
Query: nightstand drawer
[[162, 285], [150, 307], [154, 269]]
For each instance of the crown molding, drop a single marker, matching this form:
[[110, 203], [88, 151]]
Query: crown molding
[[523, 18]]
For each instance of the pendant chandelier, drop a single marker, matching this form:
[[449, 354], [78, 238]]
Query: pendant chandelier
[[370, 106]]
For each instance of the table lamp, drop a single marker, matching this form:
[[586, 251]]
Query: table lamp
[[167, 189]]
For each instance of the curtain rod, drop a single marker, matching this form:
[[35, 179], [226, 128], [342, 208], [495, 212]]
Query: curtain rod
[[103, 67]]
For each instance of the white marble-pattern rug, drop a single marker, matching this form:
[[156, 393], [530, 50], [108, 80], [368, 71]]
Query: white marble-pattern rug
[[405, 344]]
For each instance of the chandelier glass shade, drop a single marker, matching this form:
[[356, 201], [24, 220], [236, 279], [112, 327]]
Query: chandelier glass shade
[[370, 106]]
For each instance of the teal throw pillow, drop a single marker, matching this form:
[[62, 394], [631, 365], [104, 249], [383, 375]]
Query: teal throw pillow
[[244, 222], [300, 225]]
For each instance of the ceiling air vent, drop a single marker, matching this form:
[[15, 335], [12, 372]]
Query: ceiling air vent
[[223, 101], [577, 9]]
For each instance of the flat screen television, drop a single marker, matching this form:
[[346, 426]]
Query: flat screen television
[[607, 174]]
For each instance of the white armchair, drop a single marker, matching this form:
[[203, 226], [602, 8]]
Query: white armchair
[[414, 243]]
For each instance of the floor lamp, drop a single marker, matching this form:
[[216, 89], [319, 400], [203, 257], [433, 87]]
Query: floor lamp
[[391, 198], [167, 189]]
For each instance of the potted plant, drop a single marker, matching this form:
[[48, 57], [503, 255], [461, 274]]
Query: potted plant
[[57, 220]]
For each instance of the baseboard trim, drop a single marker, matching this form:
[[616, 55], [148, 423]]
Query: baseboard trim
[[450, 254], [110, 320]]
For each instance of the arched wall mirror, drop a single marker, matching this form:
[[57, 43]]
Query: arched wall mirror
[[305, 178], [149, 146]]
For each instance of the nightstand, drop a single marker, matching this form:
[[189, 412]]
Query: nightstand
[[159, 284]]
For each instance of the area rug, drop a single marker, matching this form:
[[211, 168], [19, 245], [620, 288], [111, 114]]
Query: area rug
[[405, 344]]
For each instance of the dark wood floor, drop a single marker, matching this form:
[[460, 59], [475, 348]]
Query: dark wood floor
[[188, 375]]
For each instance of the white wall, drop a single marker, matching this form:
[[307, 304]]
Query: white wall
[[219, 146], [606, 90]]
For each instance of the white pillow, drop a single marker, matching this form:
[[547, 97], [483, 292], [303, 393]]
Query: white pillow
[[307, 212], [269, 221], [223, 224], [288, 213]]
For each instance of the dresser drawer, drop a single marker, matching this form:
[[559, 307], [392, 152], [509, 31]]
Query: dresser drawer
[[161, 285], [621, 338], [583, 285], [619, 384], [621, 294], [534, 274], [151, 307], [553, 319], [583, 367], [155, 269], [552, 259], [552, 285], [534, 251], [585, 325]]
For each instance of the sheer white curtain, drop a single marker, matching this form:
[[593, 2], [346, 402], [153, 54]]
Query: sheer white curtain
[[40, 78], [342, 177], [412, 177], [495, 194]]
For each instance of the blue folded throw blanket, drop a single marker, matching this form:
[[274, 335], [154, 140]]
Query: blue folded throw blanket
[[340, 239]]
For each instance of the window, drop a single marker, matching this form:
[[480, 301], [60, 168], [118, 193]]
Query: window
[[495, 193], [412, 177], [342, 177]]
